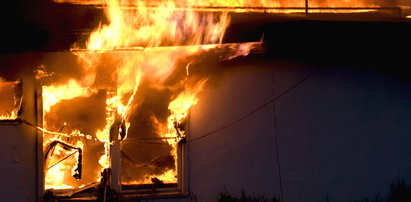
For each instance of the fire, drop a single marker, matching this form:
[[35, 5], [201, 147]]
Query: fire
[[55, 177], [167, 177], [10, 116], [180, 106], [10, 99], [145, 56], [145, 27], [235, 3], [54, 94], [61, 160], [148, 28], [240, 6]]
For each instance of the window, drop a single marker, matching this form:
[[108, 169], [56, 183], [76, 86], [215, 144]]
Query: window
[[141, 164], [10, 100], [89, 145]]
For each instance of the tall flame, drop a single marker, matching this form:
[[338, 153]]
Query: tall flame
[[145, 27], [142, 26], [154, 44]]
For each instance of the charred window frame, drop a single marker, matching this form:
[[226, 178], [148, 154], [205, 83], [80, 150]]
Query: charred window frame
[[157, 189], [111, 179]]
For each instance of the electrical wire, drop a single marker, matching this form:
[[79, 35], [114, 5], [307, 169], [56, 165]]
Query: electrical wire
[[255, 110], [138, 140], [217, 129], [275, 134], [57, 133]]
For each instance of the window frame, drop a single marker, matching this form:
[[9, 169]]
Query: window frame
[[181, 190], [17, 120]]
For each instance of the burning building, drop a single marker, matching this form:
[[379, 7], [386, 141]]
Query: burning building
[[130, 100]]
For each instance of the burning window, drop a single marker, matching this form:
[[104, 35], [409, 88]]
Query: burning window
[[10, 99], [117, 116], [128, 120]]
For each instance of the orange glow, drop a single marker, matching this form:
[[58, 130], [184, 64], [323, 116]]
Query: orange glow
[[234, 3], [10, 100], [154, 44], [55, 179], [169, 176], [181, 105], [235, 6], [146, 27], [54, 94], [58, 176], [10, 116]]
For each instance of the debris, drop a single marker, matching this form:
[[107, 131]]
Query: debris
[[66, 146]]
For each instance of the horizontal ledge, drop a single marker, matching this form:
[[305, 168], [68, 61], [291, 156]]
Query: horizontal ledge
[[13, 121]]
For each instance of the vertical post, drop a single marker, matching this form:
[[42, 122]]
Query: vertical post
[[183, 160], [115, 164], [38, 99], [115, 156], [306, 7]]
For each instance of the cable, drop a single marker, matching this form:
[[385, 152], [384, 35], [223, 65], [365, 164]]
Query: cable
[[215, 130], [57, 133], [255, 110], [276, 139]]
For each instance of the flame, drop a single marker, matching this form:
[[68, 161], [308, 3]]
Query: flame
[[180, 106], [240, 6], [153, 44], [58, 176], [179, 109], [55, 94], [142, 26], [233, 3], [41, 72], [169, 176], [55, 174], [10, 99], [148, 28]]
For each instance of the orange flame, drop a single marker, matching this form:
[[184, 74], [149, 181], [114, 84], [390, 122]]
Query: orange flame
[[146, 27], [10, 101], [241, 6], [139, 32], [59, 175], [235, 3]]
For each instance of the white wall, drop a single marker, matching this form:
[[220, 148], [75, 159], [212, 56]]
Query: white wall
[[344, 133], [18, 157]]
